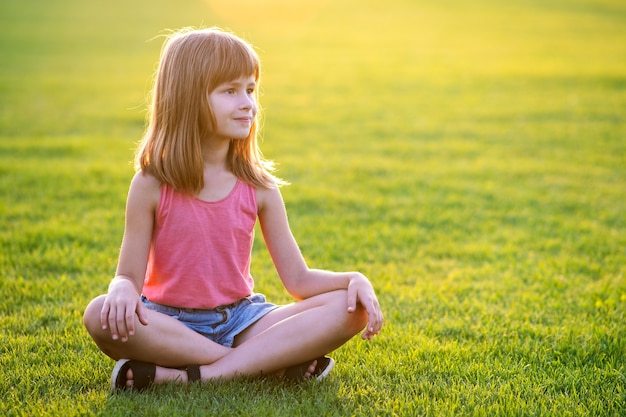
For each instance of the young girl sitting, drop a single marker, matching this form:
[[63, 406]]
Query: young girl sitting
[[182, 305]]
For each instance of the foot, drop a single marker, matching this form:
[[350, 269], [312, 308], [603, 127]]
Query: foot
[[318, 369], [143, 371], [305, 372], [310, 371], [137, 375], [162, 376]]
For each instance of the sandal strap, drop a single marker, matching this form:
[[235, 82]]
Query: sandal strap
[[193, 373], [143, 374]]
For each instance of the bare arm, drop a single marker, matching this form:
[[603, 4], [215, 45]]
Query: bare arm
[[122, 302], [301, 281]]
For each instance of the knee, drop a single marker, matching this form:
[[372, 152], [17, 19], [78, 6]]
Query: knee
[[91, 316], [357, 319], [353, 322], [91, 321]]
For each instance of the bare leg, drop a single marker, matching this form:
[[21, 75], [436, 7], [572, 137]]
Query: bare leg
[[287, 336], [164, 341]]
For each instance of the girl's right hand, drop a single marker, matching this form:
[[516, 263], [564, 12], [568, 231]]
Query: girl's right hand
[[121, 305]]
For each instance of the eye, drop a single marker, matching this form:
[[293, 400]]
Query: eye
[[230, 91], [250, 90]]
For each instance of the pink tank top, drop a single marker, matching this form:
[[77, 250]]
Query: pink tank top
[[200, 251]]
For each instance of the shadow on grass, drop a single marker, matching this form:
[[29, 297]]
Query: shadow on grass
[[241, 397]]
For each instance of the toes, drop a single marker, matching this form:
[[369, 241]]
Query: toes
[[310, 370], [129, 378]]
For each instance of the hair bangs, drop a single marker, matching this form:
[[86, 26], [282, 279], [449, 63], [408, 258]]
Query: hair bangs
[[233, 59]]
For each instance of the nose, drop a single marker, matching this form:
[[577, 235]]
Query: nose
[[247, 103]]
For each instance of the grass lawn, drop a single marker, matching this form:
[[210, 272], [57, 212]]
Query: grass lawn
[[469, 157]]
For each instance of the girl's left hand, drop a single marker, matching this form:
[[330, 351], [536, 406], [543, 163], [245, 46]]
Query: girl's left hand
[[360, 291]]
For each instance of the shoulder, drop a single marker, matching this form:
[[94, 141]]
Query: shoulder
[[268, 198], [144, 179], [145, 187], [145, 183]]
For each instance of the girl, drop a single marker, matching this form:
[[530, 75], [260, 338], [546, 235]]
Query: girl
[[181, 306]]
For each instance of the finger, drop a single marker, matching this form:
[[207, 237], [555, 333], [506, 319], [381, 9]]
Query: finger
[[367, 335], [378, 314], [352, 299], [129, 321], [374, 320], [104, 315], [120, 322], [372, 330], [142, 314], [112, 324], [379, 319]]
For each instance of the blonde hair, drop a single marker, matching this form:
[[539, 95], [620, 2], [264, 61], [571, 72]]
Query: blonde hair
[[193, 63]]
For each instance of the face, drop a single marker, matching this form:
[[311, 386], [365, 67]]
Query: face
[[234, 106]]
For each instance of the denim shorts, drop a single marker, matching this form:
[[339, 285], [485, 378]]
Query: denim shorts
[[221, 324]]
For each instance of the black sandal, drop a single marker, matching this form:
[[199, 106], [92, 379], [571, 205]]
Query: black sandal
[[322, 368], [143, 374], [193, 373]]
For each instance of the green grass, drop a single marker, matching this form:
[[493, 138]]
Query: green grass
[[469, 157]]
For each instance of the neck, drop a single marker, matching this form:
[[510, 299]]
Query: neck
[[215, 151]]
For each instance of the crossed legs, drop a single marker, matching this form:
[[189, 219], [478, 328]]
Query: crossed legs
[[286, 336]]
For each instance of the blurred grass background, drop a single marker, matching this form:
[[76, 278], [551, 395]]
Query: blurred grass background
[[469, 157]]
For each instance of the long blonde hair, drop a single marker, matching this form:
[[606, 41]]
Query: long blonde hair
[[193, 63]]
